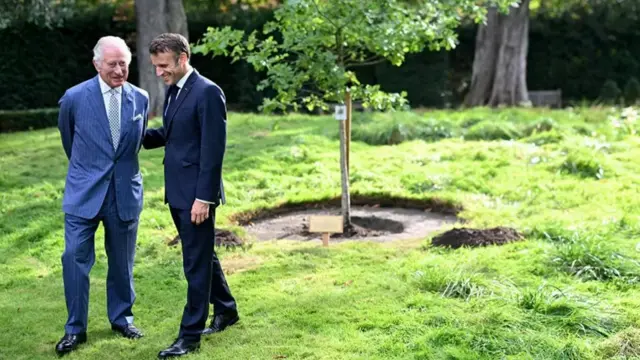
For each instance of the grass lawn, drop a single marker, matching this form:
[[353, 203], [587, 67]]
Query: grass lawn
[[566, 179]]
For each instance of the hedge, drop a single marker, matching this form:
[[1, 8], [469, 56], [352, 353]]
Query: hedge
[[20, 120]]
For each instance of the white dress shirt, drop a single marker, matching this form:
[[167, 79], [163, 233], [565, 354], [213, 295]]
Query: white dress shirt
[[180, 85], [107, 96]]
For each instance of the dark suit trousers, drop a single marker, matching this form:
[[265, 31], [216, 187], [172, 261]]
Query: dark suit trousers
[[205, 279], [79, 256]]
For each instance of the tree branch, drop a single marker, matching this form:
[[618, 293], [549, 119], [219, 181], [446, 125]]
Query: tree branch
[[299, 100], [351, 18], [340, 47], [370, 61], [312, 92], [323, 15]]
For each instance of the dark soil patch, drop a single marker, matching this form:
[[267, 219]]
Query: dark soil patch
[[223, 238], [369, 223], [361, 227], [378, 224], [465, 237], [374, 200]]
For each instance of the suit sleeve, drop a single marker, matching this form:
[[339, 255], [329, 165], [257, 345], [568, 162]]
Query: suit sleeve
[[66, 123], [212, 115], [145, 117], [154, 138]]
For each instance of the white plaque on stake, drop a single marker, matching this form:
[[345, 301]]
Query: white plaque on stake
[[341, 112]]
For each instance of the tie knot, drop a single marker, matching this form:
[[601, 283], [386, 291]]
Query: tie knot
[[113, 92]]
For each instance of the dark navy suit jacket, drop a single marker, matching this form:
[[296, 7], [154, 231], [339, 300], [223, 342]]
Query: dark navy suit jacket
[[194, 134], [93, 163]]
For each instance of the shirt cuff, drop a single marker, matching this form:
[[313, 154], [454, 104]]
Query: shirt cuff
[[206, 202]]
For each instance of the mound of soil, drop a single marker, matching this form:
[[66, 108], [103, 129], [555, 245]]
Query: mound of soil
[[223, 238], [457, 238], [227, 238]]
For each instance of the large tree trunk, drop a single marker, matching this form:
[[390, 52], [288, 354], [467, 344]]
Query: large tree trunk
[[484, 60], [500, 62], [177, 18], [154, 17]]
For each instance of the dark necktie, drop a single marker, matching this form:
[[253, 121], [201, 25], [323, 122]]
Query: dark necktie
[[173, 92]]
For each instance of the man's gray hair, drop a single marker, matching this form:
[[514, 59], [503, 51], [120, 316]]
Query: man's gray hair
[[112, 41]]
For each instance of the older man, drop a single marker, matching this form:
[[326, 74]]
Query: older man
[[102, 122]]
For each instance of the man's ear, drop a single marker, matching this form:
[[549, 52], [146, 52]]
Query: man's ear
[[95, 64]]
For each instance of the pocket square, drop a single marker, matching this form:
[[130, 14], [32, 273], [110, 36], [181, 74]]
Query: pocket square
[[137, 117]]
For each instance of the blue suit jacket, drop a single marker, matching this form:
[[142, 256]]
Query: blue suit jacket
[[194, 135], [86, 138]]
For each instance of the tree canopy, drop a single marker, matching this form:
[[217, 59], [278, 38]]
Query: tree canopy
[[42, 12], [311, 47]]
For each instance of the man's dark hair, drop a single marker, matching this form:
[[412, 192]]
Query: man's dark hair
[[170, 42]]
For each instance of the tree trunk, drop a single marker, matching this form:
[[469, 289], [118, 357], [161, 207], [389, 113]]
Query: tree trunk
[[500, 62], [344, 171], [154, 17], [177, 18], [484, 60]]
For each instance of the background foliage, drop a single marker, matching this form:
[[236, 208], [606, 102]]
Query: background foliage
[[565, 51]]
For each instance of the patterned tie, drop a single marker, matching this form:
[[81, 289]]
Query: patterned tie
[[114, 118]]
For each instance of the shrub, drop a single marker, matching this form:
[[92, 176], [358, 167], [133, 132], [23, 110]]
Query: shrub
[[542, 125], [549, 137], [460, 284], [610, 92], [583, 164], [623, 345], [388, 130], [490, 130], [632, 91], [591, 258], [20, 120]]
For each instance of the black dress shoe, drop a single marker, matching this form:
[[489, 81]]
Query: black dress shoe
[[180, 347], [70, 342], [129, 331], [220, 322]]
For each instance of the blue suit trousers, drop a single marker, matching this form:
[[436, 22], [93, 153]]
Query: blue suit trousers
[[79, 256]]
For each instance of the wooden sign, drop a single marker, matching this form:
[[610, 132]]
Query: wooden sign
[[341, 112], [326, 225]]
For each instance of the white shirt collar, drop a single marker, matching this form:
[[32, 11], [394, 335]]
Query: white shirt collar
[[181, 82], [106, 88]]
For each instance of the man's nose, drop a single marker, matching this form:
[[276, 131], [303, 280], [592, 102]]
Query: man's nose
[[119, 70], [158, 72]]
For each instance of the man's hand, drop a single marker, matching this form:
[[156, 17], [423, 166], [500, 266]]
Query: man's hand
[[199, 212]]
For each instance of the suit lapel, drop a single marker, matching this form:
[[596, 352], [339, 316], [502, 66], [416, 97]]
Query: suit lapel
[[164, 108], [184, 92], [127, 114], [97, 105]]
